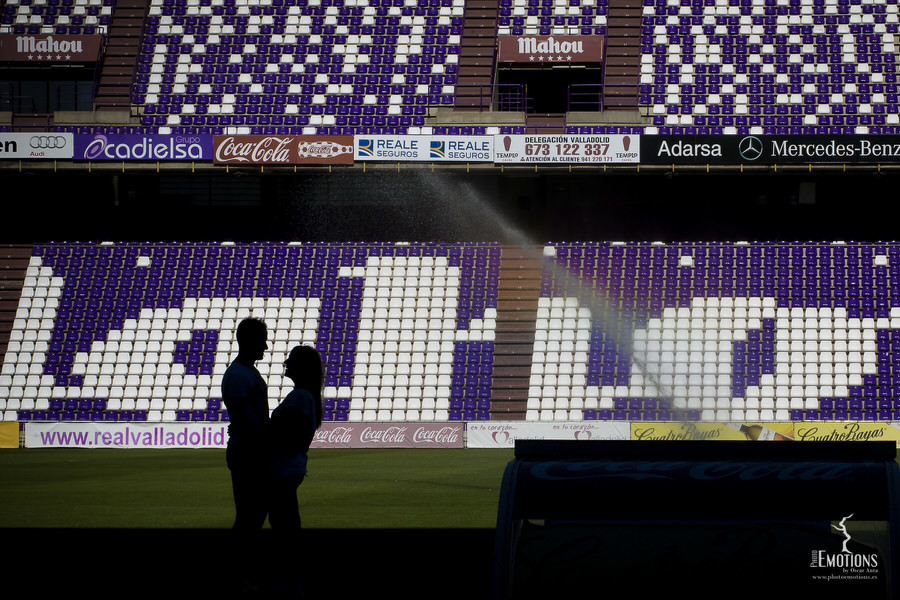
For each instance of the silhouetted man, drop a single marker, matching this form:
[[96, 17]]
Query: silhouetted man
[[248, 454]]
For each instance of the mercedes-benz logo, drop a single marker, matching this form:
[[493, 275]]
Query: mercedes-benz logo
[[47, 141], [750, 148]]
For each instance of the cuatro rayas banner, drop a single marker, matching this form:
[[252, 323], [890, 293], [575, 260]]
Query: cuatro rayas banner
[[283, 150]]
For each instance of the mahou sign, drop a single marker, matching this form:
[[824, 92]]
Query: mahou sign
[[389, 435], [49, 48], [552, 49], [283, 150]]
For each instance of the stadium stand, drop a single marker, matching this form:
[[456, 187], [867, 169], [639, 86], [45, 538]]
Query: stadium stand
[[765, 67], [769, 331], [57, 16], [143, 331], [386, 66], [691, 324]]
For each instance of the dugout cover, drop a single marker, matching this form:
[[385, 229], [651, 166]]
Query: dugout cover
[[703, 519]]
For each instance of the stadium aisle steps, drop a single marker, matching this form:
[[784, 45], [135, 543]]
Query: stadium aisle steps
[[118, 63], [520, 284], [476, 55]]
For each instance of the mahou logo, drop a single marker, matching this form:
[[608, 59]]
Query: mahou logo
[[49, 48], [535, 49]]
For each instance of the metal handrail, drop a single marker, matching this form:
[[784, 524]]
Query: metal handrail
[[501, 97], [16, 103], [584, 97], [70, 90], [592, 96]]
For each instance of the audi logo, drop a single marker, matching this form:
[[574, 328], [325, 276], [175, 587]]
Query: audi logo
[[47, 141]]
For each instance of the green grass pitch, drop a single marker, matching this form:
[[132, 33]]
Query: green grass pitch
[[174, 489]]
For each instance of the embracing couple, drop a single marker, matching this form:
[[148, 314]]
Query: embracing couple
[[267, 455]]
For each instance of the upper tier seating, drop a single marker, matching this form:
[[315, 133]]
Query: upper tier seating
[[72, 17], [377, 66], [298, 66], [552, 17], [766, 67]]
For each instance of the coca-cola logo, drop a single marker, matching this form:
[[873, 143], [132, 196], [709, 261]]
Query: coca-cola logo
[[367, 435], [323, 149], [388, 435], [283, 149], [442, 436], [271, 149], [335, 435]]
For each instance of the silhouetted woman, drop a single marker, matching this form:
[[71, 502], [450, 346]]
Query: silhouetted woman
[[294, 423]]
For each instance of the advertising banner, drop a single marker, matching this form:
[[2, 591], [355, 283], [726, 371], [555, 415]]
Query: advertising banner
[[769, 149], [500, 434], [9, 435], [49, 49], [550, 49], [215, 435], [283, 150], [847, 431], [195, 147], [582, 149], [424, 148], [126, 435], [712, 431], [36, 146], [389, 435]]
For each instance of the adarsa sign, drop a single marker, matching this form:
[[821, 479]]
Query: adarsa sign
[[282, 150]]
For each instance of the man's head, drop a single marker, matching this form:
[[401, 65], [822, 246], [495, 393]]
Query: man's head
[[251, 338]]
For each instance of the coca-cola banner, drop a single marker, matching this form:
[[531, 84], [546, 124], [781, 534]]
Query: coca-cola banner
[[389, 435], [49, 49], [36, 146], [425, 148], [503, 434], [160, 147], [283, 149], [550, 49]]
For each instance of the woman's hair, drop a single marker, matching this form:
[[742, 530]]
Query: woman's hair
[[308, 374]]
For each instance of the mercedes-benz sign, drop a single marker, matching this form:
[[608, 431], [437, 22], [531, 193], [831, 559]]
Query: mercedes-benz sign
[[750, 148]]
